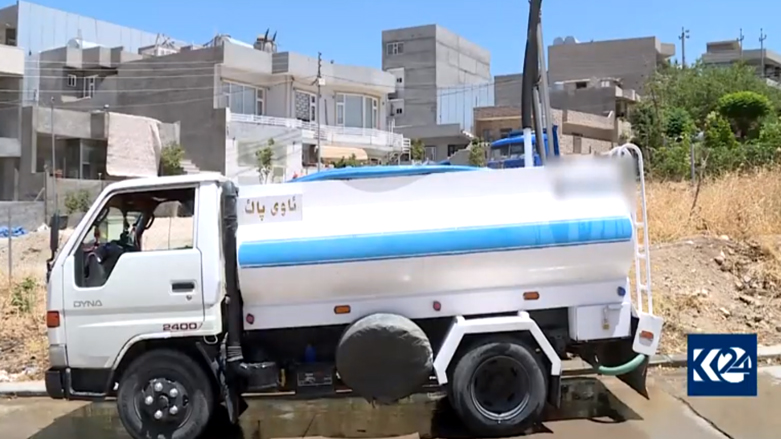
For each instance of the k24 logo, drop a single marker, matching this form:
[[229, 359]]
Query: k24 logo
[[727, 364], [722, 365]]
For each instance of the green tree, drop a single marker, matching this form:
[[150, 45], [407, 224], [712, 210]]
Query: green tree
[[264, 157], [477, 153], [171, 157], [721, 150], [349, 162], [744, 110], [678, 123], [417, 150]]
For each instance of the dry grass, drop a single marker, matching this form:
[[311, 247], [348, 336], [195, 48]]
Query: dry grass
[[23, 345], [739, 206]]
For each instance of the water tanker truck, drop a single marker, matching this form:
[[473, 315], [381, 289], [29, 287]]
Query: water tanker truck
[[381, 280]]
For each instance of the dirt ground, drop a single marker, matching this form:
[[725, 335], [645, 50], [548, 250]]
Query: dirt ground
[[716, 285], [702, 284]]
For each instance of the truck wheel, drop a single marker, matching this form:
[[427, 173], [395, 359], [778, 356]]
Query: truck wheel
[[165, 393], [498, 388]]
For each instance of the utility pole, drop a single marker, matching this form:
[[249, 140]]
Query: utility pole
[[319, 81], [740, 43], [55, 223], [683, 37], [762, 38]]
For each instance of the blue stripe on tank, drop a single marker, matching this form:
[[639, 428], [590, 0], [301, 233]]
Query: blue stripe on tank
[[438, 242]]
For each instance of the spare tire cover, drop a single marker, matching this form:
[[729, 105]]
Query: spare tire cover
[[384, 357]]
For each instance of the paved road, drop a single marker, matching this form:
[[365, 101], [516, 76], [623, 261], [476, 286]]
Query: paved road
[[592, 409]]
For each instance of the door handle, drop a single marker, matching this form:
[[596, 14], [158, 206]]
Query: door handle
[[183, 287]]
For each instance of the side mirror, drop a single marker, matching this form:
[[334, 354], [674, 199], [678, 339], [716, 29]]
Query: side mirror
[[54, 234]]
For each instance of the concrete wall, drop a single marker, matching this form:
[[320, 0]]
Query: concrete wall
[[632, 60], [11, 59], [599, 101], [508, 90]]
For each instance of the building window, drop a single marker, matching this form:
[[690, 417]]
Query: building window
[[305, 106], [487, 135], [399, 80], [89, 86], [357, 111], [72, 80], [505, 132], [394, 49], [244, 99]]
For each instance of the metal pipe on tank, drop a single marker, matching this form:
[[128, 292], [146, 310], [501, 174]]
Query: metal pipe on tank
[[530, 64], [545, 90]]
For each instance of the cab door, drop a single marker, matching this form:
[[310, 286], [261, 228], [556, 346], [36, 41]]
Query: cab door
[[156, 289]]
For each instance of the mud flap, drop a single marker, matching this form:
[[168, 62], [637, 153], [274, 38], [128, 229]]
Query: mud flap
[[234, 402], [619, 352]]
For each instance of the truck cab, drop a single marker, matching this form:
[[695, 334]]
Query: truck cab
[[144, 264]]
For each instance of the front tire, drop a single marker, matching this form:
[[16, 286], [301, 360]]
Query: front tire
[[499, 388], [165, 392]]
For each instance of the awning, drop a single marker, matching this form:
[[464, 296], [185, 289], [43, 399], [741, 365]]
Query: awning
[[338, 152]]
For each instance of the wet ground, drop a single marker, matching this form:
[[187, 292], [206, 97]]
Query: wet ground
[[591, 409]]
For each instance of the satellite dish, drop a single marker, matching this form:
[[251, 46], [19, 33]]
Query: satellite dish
[[557, 41], [570, 40]]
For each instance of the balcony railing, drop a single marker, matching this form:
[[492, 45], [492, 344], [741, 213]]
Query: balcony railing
[[360, 137]]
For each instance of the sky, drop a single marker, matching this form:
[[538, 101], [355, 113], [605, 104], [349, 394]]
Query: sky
[[349, 31]]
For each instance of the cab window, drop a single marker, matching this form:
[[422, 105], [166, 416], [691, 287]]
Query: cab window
[[131, 222]]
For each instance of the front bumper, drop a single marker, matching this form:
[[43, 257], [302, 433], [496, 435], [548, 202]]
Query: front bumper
[[91, 384], [55, 384]]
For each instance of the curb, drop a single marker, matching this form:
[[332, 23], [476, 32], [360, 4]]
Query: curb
[[31, 389]]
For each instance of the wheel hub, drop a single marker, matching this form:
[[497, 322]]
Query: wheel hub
[[500, 388], [164, 400]]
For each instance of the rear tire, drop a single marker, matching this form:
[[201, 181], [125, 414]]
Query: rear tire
[[165, 392], [499, 388]]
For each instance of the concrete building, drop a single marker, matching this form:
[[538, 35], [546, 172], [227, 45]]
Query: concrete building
[[27, 29], [631, 60], [580, 133], [723, 53], [83, 141], [11, 77], [440, 78], [601, 96], [233, 98]]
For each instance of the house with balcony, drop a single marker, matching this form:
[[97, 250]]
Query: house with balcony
[[233, 99]]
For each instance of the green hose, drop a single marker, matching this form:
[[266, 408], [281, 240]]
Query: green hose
[[624, 368]]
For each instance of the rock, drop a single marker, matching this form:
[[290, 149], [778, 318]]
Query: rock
[[739, 285], [724, 237], [719, 259], [725, 312], [747, 300], [778, 328]]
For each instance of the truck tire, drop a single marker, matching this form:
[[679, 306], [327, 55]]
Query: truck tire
[[384, 357], [498, 388], [165, 393]]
